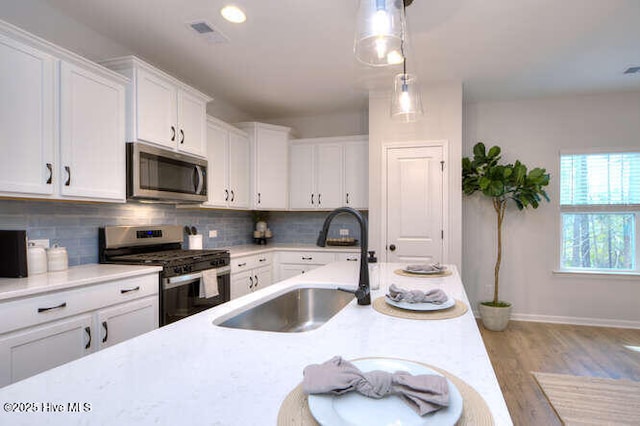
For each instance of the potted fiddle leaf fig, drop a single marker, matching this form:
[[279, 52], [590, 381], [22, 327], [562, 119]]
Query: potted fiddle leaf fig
[[502, 184]]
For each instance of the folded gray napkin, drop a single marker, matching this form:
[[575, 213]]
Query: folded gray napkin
[[435, 296], [433, 267], [424, 393]]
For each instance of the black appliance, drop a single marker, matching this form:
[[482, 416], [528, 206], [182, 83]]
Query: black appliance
[[184, 272], [155, 174], [13, 254]]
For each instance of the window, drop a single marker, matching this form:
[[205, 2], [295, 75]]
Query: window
[[600, 211]]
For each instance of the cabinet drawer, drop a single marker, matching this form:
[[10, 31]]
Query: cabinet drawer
[[312, 258], [245, 263], [36, 310], [350, 257]]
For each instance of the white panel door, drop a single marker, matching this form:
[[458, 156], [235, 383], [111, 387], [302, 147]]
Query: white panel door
[[241, 284], [127, 320], [262, 277], [329, 170], [239, 171], [92, 162], [27, 114], [217, 173], [414, 207], [192, 118], [356, 175], [157, 109], [301, 188], [36, 349]]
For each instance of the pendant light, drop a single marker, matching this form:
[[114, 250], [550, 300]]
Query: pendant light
[[380, 32], [406, 102]]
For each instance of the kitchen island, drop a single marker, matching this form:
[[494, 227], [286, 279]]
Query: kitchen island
[[193, 372]]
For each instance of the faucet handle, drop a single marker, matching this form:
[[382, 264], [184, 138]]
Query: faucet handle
[[372, 257]]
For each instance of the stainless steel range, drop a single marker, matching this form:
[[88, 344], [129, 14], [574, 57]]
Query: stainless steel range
[[191, 281]]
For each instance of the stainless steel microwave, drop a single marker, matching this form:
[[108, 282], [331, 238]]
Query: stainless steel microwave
[[156, 174]]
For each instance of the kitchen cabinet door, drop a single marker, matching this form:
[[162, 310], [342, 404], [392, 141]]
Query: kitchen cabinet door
[[301, 190], [217, 157], [27, 119], [192, 119], [328, 175], [92, 161], [36, 349], [125, 321], [356, 175], [239, 170], [241, 284], [262, 277], [288, 271], [156, 104]]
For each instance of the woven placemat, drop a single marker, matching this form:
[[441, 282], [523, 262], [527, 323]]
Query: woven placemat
[[409, 274], [459, 309], [591, 400], [294, 410]]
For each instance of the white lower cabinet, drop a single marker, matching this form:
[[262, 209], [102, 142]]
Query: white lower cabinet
[[292, 263], [49, 330], [250, 273], [36, 349], [125, 321]]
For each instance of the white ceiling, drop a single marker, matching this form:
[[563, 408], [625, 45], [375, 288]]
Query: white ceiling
[[294, 57]]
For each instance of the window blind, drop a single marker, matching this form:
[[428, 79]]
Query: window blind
[[600, 179]]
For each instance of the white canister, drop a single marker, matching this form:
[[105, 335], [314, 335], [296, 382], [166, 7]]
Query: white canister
[[57, 259], [195, 242], [36, 260]]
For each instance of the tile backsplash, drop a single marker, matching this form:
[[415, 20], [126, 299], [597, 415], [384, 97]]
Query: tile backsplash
[[75, 225]]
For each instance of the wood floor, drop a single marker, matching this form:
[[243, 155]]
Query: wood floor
[[555, 348]]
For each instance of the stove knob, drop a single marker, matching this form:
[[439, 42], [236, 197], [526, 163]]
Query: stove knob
[[176, 269], [187, 268]]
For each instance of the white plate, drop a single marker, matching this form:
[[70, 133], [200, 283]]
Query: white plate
[[353, 409], [424, 272], [421, 306]]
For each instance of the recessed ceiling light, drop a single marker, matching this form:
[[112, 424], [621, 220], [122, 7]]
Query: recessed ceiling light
[[233, 14]]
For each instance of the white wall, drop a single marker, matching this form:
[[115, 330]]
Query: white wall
[[534, 131], [342, 123], [442, 120]]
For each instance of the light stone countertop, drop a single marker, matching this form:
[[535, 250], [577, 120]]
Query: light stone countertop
[[195, 373], [75, 276], [249, 249]]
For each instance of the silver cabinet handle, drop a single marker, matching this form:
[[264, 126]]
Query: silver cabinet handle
[[129, 290], [60, 306]]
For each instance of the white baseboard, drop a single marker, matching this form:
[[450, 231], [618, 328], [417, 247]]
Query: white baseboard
[[595, 322]]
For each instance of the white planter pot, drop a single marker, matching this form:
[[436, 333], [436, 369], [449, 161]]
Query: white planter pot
[[493, 318]]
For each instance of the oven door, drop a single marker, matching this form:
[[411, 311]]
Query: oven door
[[180, 295]]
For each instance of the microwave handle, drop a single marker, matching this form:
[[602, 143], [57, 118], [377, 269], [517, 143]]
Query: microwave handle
[[199, 180]]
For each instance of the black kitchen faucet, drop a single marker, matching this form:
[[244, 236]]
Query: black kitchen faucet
[[362, 293]]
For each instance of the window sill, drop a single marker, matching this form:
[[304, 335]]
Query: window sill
[[577, 273]]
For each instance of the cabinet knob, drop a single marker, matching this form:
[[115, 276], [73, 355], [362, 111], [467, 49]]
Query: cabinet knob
[[392, 247]]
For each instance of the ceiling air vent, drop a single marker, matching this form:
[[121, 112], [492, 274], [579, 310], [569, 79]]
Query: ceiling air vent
[[632, 70], [206, 30]]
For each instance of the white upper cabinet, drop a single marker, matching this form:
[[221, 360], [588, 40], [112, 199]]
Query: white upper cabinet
[[27, 119], [161, 109], [327, 173], [63, 122], [270, 165], [229, 166], [92, 152]]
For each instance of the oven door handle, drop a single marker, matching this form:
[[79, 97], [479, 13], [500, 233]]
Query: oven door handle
[[181, 280]]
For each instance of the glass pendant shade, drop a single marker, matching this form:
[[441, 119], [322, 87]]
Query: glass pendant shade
[[379, 32], [406, 103]]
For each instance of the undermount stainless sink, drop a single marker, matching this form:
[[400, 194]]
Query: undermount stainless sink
[[298, 310]]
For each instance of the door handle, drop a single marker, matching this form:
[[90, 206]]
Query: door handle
[[258, 198], [251, 282], [311, 198], [226, 195], [60, 306], [173, 133], [347, 198], [129, 290], [392, 247], [88, 331], [233, 196], [68, 170], [106, 331], [182, 136], [256, 277], [319, 199]]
